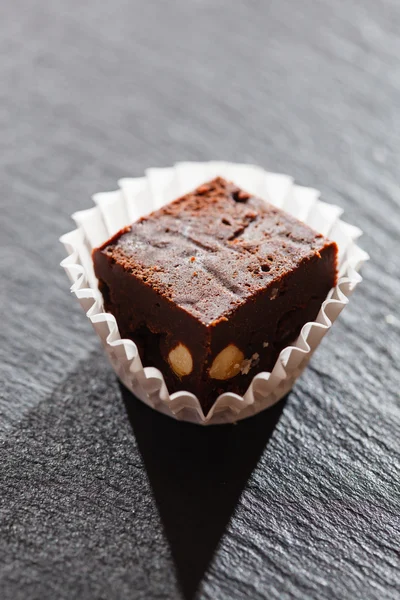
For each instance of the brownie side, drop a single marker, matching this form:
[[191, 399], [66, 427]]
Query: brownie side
[[214, 269], [272, 320], [153, 322]]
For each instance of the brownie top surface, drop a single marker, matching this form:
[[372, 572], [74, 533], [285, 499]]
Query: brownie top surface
[[214, 248]]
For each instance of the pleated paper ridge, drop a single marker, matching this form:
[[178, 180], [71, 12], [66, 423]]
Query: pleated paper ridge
[[139, 196]]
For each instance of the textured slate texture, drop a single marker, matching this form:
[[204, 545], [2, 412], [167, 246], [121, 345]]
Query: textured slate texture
[[101, 497]]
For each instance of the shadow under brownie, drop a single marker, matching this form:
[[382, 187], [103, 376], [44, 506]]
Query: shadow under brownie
[[213, 286]]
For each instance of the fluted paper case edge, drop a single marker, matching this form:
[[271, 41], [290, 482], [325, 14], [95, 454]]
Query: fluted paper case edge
[[141, 195]]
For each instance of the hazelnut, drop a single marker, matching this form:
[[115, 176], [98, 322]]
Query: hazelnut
[[227, 363], [181, 360]]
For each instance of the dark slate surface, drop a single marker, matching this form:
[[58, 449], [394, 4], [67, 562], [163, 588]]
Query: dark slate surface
[[101, 497]]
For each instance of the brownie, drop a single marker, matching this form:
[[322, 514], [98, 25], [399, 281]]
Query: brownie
[[213, 286]]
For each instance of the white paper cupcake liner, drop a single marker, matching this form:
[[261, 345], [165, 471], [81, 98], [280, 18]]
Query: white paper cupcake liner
[[141, 195]]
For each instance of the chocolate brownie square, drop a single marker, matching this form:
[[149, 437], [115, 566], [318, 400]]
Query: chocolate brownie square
[[213, 286]]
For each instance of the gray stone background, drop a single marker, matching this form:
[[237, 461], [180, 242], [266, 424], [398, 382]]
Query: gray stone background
[[100, 497]]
